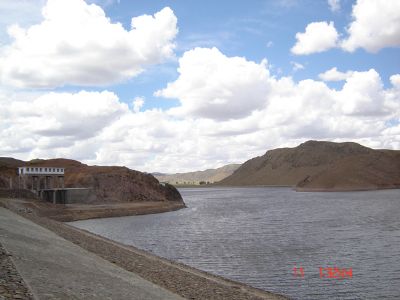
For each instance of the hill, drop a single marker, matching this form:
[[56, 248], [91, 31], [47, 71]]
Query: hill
[[325, 166], [109, 184], [210, 175]]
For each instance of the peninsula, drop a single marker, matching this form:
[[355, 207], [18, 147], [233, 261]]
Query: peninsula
[[111, 191]]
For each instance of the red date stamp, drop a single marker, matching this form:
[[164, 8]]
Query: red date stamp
[[328, 272]]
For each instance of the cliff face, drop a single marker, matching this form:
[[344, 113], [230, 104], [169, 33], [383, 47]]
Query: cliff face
[[317, 165], [109, 184]]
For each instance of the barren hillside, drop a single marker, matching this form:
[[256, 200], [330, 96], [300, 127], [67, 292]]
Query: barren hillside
[[316, 165], [210, 175], [110, 184]]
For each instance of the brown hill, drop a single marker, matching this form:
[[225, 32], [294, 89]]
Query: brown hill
[[109, 184], [210, 175], [316, 165]]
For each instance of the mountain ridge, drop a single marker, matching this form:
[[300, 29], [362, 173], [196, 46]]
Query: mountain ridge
[[321, 165], [197, 177]]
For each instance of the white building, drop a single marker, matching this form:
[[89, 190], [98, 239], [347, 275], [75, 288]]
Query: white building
[[40, 171], [38, 178]]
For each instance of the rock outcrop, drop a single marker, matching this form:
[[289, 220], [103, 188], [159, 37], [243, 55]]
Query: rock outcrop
[[324, 166], [109, 184]]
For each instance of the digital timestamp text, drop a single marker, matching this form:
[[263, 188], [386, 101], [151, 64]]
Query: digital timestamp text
[[328, 272]]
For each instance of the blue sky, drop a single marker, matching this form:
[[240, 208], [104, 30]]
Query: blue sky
[[195, 84], [255, 30]]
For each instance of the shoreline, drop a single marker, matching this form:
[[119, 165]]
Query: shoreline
[[77, 212], [183, 280], [311, 189]]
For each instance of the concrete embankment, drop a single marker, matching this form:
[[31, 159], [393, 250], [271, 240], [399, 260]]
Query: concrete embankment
[[103, 262], [55, 268]]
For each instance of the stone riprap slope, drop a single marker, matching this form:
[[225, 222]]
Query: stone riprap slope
[[12, 286]]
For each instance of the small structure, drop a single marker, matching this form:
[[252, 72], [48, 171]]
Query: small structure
[[48, 184], [41, 178]]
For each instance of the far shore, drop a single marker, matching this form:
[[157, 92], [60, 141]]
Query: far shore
[[298, 189]]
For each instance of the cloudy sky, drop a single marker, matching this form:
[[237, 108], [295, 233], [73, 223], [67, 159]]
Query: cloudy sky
[[174, 86]]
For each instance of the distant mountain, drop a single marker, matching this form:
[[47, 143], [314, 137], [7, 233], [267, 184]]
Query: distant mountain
[[109, 183], [325, 166], [206, 176]]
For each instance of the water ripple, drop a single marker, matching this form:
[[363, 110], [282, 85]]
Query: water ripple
[[258, 235]]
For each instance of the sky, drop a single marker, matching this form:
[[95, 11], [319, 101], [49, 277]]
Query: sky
[[184, 85]]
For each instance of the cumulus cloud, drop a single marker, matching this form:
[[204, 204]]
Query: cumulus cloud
[[375, 25], [77, 44], [212, 85], [395, 80], [318, 37], [334, 75], [363, 95], [98, 128], [58, 119], [137, 104]]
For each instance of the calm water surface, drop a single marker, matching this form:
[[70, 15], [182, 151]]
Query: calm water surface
[[258, 235]]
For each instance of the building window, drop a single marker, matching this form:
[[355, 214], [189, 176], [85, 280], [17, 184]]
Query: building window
[[36, 169], [40, 169]]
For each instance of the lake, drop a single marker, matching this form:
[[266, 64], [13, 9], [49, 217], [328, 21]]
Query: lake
[[277, 239]]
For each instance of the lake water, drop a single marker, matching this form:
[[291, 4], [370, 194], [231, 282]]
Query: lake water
[[259, 235]]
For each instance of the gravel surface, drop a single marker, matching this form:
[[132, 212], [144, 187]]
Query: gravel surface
[[12, 285], [185, 281]]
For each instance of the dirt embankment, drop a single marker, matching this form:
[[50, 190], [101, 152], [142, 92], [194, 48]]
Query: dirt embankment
[[321, 166]]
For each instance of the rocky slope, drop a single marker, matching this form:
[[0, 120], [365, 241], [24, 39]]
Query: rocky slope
[[210, 175], [323, 166], [109, 184]]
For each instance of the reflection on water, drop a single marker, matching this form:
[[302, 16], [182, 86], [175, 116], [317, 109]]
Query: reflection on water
[[259, 235]]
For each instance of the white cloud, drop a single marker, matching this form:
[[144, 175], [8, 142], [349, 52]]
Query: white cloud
[[24, 12], [63, 116], [77, 44], [296, 66], [212, 85], [334, 5], [395, 80], [318, 37], [363, 95], [334, 75], [376, 25], [137, 104], [97, 128]]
